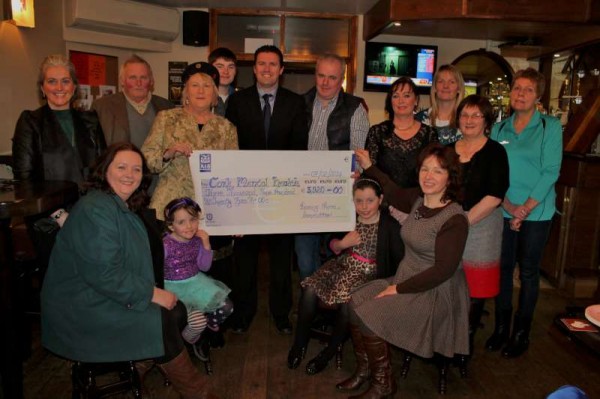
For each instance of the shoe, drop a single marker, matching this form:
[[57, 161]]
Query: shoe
[[383, 384], [201, 349], [318, 364], [519, 341], [501, 331], [517, 345], [362, 372], [284, 327], [216, 340], [186, 379], [295, 357]]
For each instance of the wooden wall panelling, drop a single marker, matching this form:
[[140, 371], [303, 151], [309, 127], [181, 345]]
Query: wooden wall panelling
[[584, 125]]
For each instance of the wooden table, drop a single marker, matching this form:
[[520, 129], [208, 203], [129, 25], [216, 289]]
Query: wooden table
[[20, 199]]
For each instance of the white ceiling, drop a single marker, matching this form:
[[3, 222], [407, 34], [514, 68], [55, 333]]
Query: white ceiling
[[330, 6]]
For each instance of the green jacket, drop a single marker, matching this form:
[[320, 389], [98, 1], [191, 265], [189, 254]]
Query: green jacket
[[96, 297]]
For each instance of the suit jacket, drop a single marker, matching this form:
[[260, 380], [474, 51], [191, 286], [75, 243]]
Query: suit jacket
[[41, 150], [289, 125], [112, 112]]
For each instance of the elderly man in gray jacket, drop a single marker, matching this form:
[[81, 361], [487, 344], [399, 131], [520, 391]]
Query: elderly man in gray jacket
[[129, 114]]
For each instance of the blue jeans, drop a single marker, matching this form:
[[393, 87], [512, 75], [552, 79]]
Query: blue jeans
[[308, 252], [524, 247]]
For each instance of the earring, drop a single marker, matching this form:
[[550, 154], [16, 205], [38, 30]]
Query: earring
[[186, 101]]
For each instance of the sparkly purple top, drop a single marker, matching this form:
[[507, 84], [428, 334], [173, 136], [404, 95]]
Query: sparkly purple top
[[185, 259]]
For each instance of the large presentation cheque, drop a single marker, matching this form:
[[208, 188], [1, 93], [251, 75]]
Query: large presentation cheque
[[264, 192]]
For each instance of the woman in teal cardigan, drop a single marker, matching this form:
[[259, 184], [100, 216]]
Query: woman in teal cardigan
[[533, 143], [101, 299]]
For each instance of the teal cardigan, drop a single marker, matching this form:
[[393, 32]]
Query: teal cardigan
[[534, 158], [96, 297]]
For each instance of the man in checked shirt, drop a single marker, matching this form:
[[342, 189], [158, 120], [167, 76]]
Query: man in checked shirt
[[338, 121]]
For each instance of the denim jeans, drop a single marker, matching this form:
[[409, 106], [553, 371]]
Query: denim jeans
[[308, 252], [524, 247]]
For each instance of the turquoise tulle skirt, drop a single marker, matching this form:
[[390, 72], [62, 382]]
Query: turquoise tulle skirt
[[199, 292]]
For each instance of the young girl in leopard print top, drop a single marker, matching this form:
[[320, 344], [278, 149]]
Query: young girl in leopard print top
[[373, 250]]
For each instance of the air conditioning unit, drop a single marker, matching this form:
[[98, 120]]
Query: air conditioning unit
[[123, 17]]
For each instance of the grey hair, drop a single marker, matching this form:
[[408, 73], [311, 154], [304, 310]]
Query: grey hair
[[333, 57], [136, 59]]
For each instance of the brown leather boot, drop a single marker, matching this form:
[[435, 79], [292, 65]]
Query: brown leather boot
[[361, 373], [143, 367], [186, 379], [382, 381]]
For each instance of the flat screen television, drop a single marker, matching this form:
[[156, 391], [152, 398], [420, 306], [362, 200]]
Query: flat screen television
[[386, 62]]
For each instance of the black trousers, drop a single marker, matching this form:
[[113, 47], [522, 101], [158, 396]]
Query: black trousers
[[245, 293]]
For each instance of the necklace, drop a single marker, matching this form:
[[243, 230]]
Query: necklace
[[405, 128]]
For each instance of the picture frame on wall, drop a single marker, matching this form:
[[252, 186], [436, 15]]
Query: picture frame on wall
[[98, 76]]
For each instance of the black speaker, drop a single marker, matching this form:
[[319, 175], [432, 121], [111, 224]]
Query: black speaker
[[195, 28]]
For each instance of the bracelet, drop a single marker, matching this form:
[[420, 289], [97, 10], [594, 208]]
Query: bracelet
[[57, 215]]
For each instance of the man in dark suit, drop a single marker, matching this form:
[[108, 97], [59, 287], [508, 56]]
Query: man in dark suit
[[267, 117], [129, 114]]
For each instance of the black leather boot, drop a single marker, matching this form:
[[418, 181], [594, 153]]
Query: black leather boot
[[501, 331], [519, 341]]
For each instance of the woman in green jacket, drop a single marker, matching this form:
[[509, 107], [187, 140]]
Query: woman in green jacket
[[101, 300]]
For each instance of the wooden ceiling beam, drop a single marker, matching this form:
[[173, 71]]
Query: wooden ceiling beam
[[504, 20]]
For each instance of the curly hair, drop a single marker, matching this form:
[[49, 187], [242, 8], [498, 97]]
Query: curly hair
[[449, 161], [97, 178]]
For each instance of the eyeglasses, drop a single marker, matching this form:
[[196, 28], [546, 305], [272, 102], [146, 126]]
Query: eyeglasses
[[472, 116]]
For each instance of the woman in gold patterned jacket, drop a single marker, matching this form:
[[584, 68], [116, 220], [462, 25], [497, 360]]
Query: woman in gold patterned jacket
[[177, 132], [174, 135]]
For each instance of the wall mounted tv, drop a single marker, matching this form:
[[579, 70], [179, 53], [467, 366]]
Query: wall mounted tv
[[386, 62]]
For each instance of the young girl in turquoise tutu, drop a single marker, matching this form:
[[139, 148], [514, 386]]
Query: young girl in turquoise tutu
[[187, 256]]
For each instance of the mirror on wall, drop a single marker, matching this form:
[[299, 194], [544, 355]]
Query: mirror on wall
[[487, 74]]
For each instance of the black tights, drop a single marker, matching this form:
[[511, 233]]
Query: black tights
[[307, 309]]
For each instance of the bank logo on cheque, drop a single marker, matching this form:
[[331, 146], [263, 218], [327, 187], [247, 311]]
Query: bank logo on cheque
[[205, 163]]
